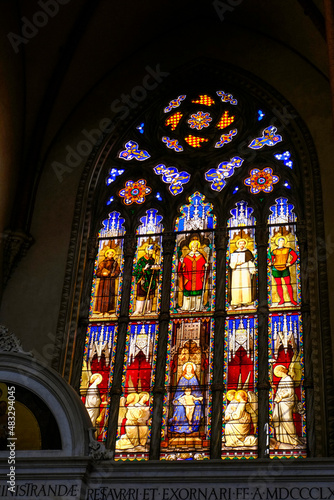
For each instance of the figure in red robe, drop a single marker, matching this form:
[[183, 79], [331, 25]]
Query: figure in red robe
[[193, 273]]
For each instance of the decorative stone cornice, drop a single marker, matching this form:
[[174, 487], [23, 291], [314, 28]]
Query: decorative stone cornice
[[16, 246], [10, 343], [97, 450]]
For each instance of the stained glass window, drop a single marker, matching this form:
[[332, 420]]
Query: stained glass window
[[196, 312]]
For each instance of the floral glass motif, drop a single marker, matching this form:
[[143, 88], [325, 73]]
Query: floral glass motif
[[173, 120], [225, 120], [113, 173], [269, 138], [175, 103], [194, 264], [96, 377], [205, 100], [227, 97], [283, 257], [261, 180], [285, 158], [287, 395], [200, 120], [241, 275], [240, 406], [147, 267], [171, 175], [107, 281], [260, 115], [172, 144], [226, 138], [135, 408], [134, 192], [187, 406], [132, 151], [224, 170], [194, 141]]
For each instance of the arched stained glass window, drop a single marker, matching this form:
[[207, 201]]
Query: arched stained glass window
[[194, 345]]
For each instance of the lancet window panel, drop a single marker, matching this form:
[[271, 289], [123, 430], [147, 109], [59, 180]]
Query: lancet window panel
[[135, 408], [187, 404], [97, 374], [287, 408], [240, 406]]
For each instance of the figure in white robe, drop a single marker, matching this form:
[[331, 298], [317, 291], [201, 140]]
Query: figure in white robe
[[285, 402], [243, 271], [93, 399]]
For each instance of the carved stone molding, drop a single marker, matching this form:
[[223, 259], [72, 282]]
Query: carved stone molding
[[92, 246], [16, 246], [10, 343], [97, 451]]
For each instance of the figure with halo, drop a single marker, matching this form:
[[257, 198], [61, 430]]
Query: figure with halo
[[187, 402], [146, 273], [243, 271], [193, 270], [107, 272], [280, 260]]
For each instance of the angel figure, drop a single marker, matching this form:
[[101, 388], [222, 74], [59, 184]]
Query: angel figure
[[239, 415], [286, 402], [93, 399], [134, 413]]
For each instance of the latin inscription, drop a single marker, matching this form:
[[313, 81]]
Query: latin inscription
[[66, 491]]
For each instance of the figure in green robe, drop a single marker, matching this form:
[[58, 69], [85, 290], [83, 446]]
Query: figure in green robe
[[146, 273]]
